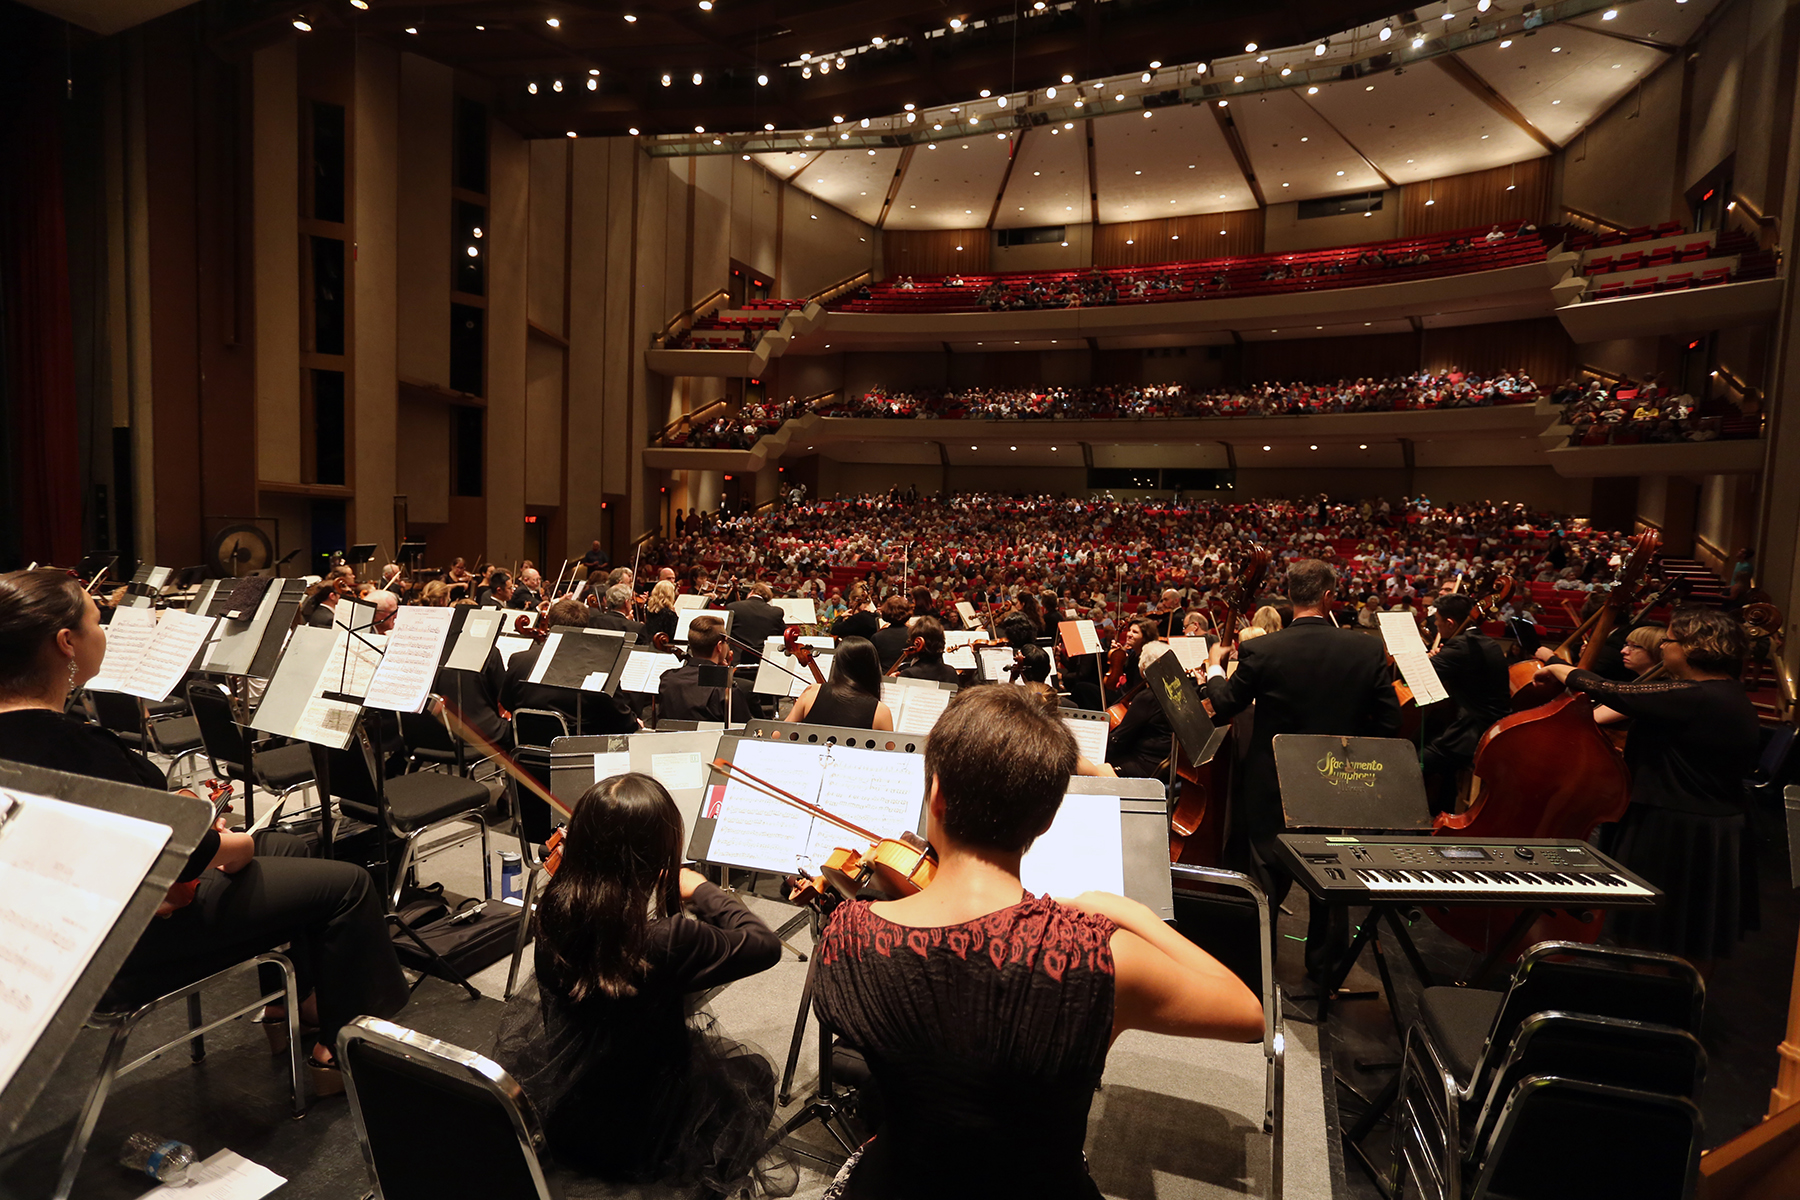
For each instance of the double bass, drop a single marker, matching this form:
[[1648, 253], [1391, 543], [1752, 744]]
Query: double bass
[[1547, 772]]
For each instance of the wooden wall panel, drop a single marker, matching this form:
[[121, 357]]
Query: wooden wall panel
[[1179, 239], [1479, 198], [1539, 347], [1319, 360], [935, 251]]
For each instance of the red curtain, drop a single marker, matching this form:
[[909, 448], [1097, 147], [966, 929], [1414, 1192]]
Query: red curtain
[[44, 466]]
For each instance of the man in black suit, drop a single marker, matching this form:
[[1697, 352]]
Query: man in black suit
[[1310, 677], [754, 620], [616, 612], [682, 697], [1140, 746], [528, 591], [1472, 668], [598, 712]]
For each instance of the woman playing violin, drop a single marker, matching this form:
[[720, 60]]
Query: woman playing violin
[[851, 698], [928, 661], [986, 1013]]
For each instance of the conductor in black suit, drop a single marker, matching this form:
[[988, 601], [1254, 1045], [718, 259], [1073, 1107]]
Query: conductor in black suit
[[616, 613], [754, 620], [1472, 668], [1311, 677]]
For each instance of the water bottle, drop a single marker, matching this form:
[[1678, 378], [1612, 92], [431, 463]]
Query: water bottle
[[162, 1159], [510, 872]]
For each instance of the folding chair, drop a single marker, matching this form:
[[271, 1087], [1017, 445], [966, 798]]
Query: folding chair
[[282, 770], [436, 1120], [174, 736]]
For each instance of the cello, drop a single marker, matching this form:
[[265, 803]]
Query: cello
[[1547, 772]]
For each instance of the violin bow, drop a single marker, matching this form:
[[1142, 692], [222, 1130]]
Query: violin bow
[[734, 773], [757, 653], [461, 728]]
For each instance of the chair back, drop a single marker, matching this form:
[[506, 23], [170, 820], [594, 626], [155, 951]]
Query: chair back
[[352, 779], [1597, 981], [119, 713], [1627, 1054], [436, 1120], [220, 733], [538, 727], [428, 737], [1566, 1139]]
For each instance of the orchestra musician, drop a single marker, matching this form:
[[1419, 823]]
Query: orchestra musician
[[859, 619], [239, 894], [615, 613], [1169, 613], [459, 574], [892, 638], [987, 1062], [632, 1089], [496, 591], [1311, 677], [321, 602], [1139, 745], [1693, 739], [851, 698], [587, 712], [529, 590], [929, 662], [754, 620], [1046, 695], [659, 610], [1472, 668], [682, 697]]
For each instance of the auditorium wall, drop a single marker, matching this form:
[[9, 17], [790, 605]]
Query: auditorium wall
[[1284, 230], [1606, 166]]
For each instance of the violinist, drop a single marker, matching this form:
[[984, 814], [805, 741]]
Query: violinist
[[659, 610], [631, 1088], [929, 662], [435, 594], [1169, 613], [851, 698], [859, 619], [321, 602], [529, 592], [1311, 677], [892, 638], [1032, 664], [682, 697], [496, 591], [1139, 745], [1123, 670], [1472, 668], [615, 613], [988, 1061], [1694, 737], [459, 574]]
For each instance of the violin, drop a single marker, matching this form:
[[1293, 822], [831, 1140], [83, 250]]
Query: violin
[[888, 869], [800, 652], [1016, 667]]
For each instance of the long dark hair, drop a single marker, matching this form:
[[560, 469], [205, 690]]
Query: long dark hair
[[34, 605], [621, 859], [856, 667]]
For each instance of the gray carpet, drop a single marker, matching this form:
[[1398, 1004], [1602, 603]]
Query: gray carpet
[[1174, 1119]]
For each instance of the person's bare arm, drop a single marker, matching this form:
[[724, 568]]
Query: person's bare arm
[[884, 718], [1166, 984], [804, 704]]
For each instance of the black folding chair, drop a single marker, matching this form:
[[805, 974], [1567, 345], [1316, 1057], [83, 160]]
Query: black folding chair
[[436, 1120], [1570, 1139], [282, 770]]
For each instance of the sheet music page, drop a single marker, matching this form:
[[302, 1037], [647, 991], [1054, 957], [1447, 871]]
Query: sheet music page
[[404, 676], [1190, 652], [686, 617], [327, 722], [1079, 637], [689, 600], [1090, 736], [551, 642], [509, 646], [223, 1176], [1082, 851], [66, 875], [880, 790], [679, 772], [128, 635], [644, 671], [479, 629], [799, 610], [1410, 655], [610, 763], [994, 661], [179, 637], [919, 708], [966, 611], [350, 667]]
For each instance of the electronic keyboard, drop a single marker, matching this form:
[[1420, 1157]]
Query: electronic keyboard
[[1386, 869]]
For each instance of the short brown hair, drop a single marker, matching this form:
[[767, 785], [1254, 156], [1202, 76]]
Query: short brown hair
[[34, 605], [1002, 764], [1713, 639], [895, 609], [568, 612], [930, 630], [1309, 581], [704, 636]]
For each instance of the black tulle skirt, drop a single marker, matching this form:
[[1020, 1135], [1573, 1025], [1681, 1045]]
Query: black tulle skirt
[[1707, 874], [700, 1115]]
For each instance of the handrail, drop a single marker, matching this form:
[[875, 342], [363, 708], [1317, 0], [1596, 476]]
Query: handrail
[[1591, 219], [705, 412], [644, 538], [827, 295], [1602, 373], [684, 320]]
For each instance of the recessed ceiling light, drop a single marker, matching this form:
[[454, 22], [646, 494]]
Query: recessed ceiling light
[[302, 24], [1249, 47], [769, 126], [1312, 91], [1224, 104], [572, 133], [632, 131], [985, 93], [414, 29], [1266, 447], [1505, 42], [1068, 79], [1340, 172], [1364, 446], [553, 23], [1609, 14], [531, 88], [1418, 42], [630, 19], [1369, 88], [1237, 79], [1304, 139]]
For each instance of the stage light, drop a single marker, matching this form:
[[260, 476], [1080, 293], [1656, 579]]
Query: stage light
[[629, 19], [666, 81], [1068, 79], [557, 86], [414, 30], [1249, 47], [1319, 50], [474, 251], [1387, 31], [865, 122], [571, 134], [956, 23], [362, 4], [985, 93], [699, 129], [697, 78], [1505, 42], [632, 131], [876, 42], [1312, 91], [1050, 93], [1224, 104]]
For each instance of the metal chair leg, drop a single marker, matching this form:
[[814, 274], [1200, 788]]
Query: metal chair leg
[[90, 1111], [524, 935], [196, 1018]]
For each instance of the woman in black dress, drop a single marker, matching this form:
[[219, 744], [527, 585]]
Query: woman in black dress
[[985, 1013], [659, 611], [1693, 739], [631, 1089], [851, 698], [238, 896], [859, 619]]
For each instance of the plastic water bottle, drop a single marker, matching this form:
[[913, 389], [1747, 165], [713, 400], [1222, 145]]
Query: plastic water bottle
[[511, 866], [162, 1159]]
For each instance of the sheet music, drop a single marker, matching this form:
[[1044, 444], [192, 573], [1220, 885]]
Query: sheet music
[[479, 629], [610, 763], [689, 600], [128, 635], [957, 653], [1079, 637], [966, 611], [680, 771], [509, 646], [166, 661], [1083, 850], [66, 874], [224, 1176], [1410, 655], [881, 791], [327, 722], [643, 671], [1190, 652], [1090, 737], [994, 660], [920, 707], [686, 617], [551, 642], [799, 610], [350, 668], [772, 680], [404, 676]]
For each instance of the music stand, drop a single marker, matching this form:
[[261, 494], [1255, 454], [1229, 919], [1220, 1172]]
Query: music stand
[[409, 553], [360, 554], [187, 820]]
